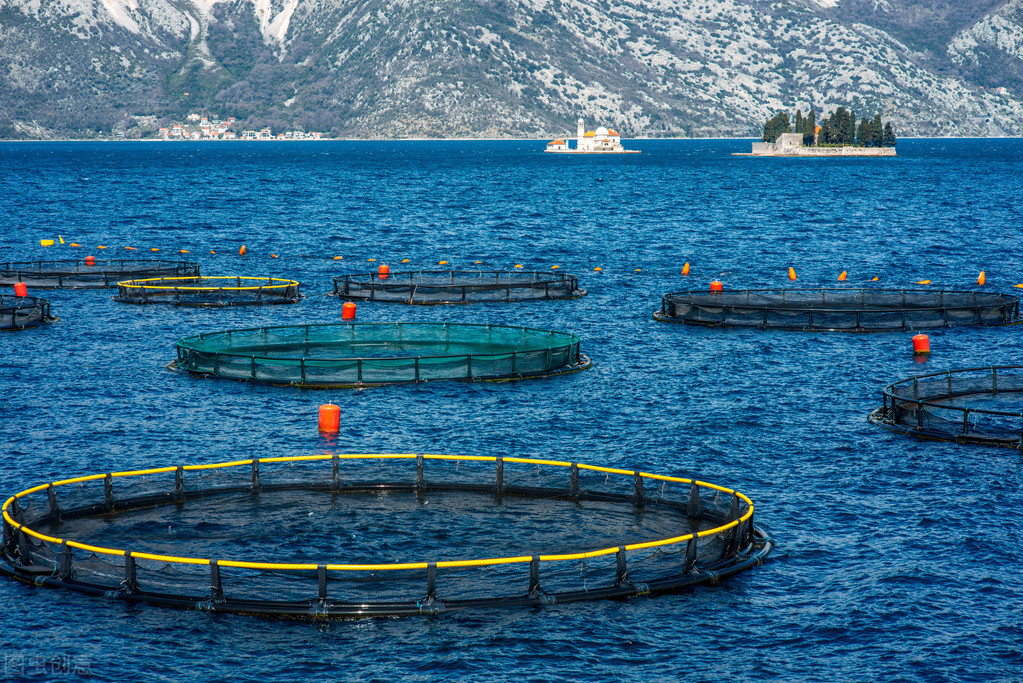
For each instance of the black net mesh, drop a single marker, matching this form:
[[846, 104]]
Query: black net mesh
[[976, 405], [359, 354], [360, 535], [851, 310], [19, 312], [209, 291], [90, 274], [452, 286]]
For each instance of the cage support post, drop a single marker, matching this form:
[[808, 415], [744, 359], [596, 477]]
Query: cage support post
[[51, 496], [621, 569], [216, 587], [108, 492], [534, 576], [130, 583]]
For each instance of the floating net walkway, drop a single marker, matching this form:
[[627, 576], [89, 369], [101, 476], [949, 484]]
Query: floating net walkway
[[840, 310], [975, 405], [19, 312], [457, 287], [368, 535], [366, 354], [209, 291], [90, 273]]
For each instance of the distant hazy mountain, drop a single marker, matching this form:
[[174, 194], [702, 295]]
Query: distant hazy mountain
[[507, 68]]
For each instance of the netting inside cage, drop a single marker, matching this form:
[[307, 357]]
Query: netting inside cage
[[849, 310], [90, 273], [209, 291], [378, 534], [19, 312], [453, 286], [361, 354], [975, 405]]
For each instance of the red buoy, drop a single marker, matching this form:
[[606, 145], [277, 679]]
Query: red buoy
[[921, 345], [348, 311], [716, 286], [20, 289], [90, 260], [330, 418], [383, 271]]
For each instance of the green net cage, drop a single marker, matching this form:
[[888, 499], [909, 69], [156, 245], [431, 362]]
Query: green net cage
[[209, 291], [972, 405], [338, 355], [839, 310], [457, 287], [90, 273], [422, 534], [20, 312]]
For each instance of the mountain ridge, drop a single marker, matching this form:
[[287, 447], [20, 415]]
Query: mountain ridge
[[507, 68]]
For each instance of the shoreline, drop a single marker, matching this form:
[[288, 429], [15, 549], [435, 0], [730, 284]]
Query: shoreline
[[530, 140]]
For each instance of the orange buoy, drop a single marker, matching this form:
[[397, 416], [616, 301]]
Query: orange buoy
[[716, 286], [923, 282], [90, 260], [685, 268], [241, 252], [154, 249], [842, 276], [792, 273], [20, 289], [330, 418], [981, 279], [921, 345], [874, 279], [348, 311], [598, 269], [383, 271]]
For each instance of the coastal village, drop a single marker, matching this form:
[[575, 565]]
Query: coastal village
[[198, 127]]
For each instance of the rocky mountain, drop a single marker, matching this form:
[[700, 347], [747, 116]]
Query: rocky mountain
[[507, 68]]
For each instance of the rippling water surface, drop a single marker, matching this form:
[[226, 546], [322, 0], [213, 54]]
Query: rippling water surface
[[896, 559]]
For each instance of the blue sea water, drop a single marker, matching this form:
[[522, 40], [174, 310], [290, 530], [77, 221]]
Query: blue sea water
[[896, 559]]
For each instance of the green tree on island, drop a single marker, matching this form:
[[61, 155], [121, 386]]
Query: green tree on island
[[838, 129], [775, 126], [810, 129]]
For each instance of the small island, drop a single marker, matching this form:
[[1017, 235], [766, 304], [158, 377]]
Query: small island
[[600, 141], [836, 136]]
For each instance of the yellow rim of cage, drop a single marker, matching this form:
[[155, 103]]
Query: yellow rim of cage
[[272, 283], [375, 567]]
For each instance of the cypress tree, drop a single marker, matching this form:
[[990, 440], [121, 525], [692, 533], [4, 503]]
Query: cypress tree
[[809, 128], [877, 130], [865, 135], [798, 128], [888, 139], [851, 129], [775, 126]]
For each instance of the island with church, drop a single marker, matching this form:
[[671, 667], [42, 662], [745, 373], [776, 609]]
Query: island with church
[[836, 136], [600, 141]]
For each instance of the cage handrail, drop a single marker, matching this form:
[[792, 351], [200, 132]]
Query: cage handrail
[[271, 566], [142, 284], [888, 392], [570, 341]]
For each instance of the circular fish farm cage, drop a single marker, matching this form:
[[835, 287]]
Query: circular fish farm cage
[[839, 310], [340, 355], [974, 405], [457, 287], [90, 273], [371, 535], [209, 291], [20, 312]]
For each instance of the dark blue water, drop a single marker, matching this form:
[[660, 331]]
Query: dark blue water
[[897, 559]]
